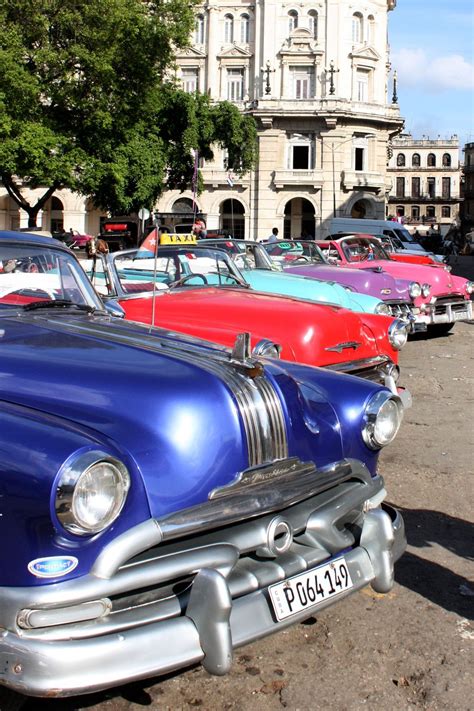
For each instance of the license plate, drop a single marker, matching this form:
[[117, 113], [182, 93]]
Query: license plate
[[310, 589]]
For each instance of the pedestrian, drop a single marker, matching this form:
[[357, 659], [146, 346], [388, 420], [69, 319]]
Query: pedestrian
[[274, 235]]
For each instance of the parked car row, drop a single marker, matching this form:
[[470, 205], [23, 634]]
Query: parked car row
[[183, 479]]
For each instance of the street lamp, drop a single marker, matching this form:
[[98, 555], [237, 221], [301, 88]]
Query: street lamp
[[334, 146]]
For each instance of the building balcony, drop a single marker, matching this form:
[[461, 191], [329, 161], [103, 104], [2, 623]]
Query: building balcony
[[298, 178], [355, 180], [425, 199], [216, 178]]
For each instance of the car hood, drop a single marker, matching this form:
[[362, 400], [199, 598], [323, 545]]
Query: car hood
[[441, 280], [328, 292], [308, 332], [153, 397], [378, 284]]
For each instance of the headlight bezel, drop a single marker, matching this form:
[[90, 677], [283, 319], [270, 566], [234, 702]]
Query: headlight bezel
[[414, 289], [373, 410], [470, 287], [68, 486], [394, 329], [382, 309], [265, 348], [425, 290]]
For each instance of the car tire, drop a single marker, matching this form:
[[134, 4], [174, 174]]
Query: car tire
[[10, 700], [440, 329]]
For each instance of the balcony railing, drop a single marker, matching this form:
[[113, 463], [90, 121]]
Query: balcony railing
[[363, 179], [298, 177]]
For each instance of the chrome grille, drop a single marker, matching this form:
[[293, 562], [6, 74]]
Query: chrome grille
[[457, 304], [399, 309]]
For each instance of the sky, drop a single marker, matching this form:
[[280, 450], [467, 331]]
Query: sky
[[432, 49]]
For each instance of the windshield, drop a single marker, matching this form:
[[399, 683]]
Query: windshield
[[295, 252], [136, 271], [246, 254], [37, 274], [360, 249]]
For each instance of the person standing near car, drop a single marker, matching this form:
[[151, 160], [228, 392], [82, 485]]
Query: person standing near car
[[274, 235]]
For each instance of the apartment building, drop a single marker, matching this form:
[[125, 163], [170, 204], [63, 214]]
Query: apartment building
[[425, 180]]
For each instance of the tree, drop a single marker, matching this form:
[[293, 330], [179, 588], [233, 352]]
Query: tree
[[86, 103]]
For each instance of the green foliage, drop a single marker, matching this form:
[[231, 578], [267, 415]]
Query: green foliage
[[85, 102]]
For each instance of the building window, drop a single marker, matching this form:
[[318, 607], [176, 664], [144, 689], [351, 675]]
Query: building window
[[401, 160], [235, 84], [430, 211], [415, 187], [244, 29], [400, 187], [445, 211], [199, 30], [400, 210], [431, 160], [303, 82], [362, 86], [190, 80], [228, 29], [359, 158], [357, 28], [415, 212], [446, 160], [301, 152], [415, 161], [292, 20], [313, 23], [446, 188], [370, 29], [431, 183]]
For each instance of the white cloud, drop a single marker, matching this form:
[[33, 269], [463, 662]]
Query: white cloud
[[415, 67]]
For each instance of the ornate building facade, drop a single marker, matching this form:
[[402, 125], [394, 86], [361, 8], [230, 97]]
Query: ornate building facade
[[314, 74], [426, 178]]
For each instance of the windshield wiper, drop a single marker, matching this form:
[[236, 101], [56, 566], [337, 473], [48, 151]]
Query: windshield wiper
[[58, 304]]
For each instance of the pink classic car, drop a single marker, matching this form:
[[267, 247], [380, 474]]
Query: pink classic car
[[443, 298]]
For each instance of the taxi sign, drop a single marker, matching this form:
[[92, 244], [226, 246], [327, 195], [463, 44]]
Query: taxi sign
[[175, 238]]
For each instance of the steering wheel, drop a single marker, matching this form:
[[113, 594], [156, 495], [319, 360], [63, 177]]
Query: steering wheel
[[187, 277]]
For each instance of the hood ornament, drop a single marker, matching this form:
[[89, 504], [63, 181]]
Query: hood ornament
[[342, 346], [241, 356]]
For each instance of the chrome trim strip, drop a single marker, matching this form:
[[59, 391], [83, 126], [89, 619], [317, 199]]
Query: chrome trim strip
[[364, 363]]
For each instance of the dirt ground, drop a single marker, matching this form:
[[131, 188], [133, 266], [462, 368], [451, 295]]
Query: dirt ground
[[410, 649]]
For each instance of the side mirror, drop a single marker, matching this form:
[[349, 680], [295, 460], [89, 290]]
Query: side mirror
[[113, 308]]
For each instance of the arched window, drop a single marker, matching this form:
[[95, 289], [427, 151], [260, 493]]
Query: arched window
[[313, 23], [199, 30], [401, 160], [228, 29], [357, 28], [415, 160], [244, 29], [431, 160], [446, 160], [292, 20], [370, 30]]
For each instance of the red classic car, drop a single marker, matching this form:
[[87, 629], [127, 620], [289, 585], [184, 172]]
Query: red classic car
[[443, 298], [199, 291]]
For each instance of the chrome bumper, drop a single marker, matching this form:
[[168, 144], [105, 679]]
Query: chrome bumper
[[217, 614], [443, 312]]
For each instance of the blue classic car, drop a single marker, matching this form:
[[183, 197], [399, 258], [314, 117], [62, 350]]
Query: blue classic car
[[164, 500], [264, 275]]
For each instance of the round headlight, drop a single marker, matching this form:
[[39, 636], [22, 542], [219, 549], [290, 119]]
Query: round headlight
[[266, 348], [398, 334], [382, 419], [382, 308], [470, 287], [425, 290], [414, 290], [91, 493]]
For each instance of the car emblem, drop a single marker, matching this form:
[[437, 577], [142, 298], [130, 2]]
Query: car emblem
[[53, 566], [342, 346], [385, 291]]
